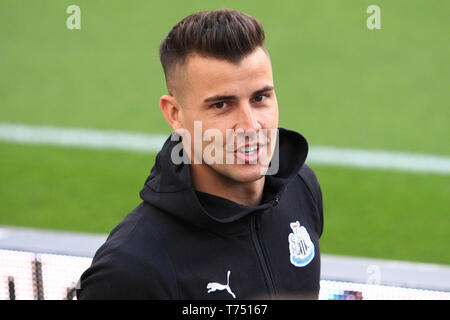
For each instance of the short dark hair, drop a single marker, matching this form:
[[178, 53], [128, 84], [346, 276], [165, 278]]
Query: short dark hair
[[223, 34]]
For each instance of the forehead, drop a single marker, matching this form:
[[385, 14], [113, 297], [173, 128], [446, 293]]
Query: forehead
[[206, 76]]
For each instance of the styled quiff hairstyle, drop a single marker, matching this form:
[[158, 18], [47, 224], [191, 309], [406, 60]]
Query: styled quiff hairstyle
[[221, 34]]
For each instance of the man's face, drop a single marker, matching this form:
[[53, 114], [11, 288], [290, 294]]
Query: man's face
[[230, 98]]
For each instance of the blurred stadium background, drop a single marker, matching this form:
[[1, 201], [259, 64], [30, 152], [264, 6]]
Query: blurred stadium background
[[338, 83]]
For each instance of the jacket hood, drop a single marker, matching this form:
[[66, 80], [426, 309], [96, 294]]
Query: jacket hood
[[169, 185]]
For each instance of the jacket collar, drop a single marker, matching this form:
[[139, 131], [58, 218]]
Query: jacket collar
[[169, 186]]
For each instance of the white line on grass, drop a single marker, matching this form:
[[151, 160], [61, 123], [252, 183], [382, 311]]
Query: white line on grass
[[141, 142], [400, 161], [74, 137]]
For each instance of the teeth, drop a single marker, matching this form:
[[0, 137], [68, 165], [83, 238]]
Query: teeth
[[249, 149]]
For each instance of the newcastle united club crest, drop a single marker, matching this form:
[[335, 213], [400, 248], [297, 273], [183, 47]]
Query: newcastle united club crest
[[300, 245]]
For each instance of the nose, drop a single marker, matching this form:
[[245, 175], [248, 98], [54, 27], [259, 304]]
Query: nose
[[247, 119]]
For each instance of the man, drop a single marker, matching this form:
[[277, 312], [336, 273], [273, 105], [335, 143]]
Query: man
[[227, 222]]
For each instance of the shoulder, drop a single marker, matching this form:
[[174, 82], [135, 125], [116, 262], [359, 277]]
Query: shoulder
[[308, 176], [131, 264], [309, 179]]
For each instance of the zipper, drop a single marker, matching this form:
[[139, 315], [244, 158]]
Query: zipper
[[261, 257]]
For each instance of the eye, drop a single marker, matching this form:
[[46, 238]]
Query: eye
[[260, 98], [219, 105]]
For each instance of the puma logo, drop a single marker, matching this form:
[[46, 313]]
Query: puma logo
[[213, 286]]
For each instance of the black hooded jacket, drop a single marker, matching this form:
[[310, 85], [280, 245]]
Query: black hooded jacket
[[183, 244]]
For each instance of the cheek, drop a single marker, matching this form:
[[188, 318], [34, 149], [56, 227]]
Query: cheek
[[192, 121], [269, 117]]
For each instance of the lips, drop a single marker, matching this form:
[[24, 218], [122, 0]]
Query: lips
[[249, 153]]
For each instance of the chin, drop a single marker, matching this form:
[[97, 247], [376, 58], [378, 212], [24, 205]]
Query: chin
[[242, 173]]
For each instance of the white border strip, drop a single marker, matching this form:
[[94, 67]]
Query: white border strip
[[141, 142], [386, 272], [341, 290]]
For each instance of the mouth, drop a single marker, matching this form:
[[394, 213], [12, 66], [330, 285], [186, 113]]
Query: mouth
[[249, 153]]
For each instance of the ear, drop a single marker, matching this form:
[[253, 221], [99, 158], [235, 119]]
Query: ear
[[172, 111]]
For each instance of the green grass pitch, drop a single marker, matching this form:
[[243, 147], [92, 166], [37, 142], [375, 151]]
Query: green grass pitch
[[337, 83]]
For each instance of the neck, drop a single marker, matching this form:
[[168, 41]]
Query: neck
[[210, 181]]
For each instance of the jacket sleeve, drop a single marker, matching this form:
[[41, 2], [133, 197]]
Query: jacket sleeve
[[116, 274], [311, 181]]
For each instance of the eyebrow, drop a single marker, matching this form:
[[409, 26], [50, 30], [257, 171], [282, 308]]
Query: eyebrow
[[233, 97]]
